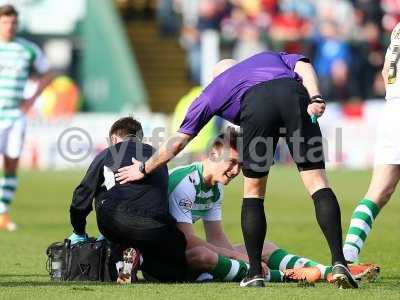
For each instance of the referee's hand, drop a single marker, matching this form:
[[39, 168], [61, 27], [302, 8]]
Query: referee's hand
[[129, 173], [316, 109]]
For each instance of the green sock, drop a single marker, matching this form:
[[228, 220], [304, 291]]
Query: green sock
[[325, 270], [274, 276], [229, 269], [8, 186], [281, 260], [360, 226]]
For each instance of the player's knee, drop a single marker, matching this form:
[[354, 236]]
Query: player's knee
[[200, 256]]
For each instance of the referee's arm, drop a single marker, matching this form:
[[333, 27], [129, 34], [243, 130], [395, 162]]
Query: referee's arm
[[83, 195], [309, 76]]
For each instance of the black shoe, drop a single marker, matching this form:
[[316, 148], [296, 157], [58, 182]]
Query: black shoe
[[254, 281], [342, 277]]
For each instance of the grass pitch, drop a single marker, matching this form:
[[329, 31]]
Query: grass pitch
[[41, 211]]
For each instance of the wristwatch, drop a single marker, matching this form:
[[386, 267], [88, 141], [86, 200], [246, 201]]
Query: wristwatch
[[317, 99], [142, 168]]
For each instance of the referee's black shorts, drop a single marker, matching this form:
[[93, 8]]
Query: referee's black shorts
[[273, 109], [160, 242]]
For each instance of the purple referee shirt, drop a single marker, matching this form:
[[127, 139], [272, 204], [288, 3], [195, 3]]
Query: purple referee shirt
[[223, 95]]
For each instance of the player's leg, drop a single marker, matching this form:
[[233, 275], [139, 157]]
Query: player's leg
[[304, 140], [383, 184], [384, 179], [328, 215], [327, 211], [201, 259], [273, 275], [285, 266], [279, 260], [267, 250], [8, 185], [12, 148], [253, 220], [260, 122]]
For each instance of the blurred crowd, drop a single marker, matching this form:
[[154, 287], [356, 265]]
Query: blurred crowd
[[345, 39]]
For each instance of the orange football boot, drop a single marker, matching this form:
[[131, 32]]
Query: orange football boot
[[6, 224], [370, 272], [308, 274]]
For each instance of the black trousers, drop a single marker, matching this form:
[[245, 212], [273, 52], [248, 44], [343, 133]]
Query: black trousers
[[160, 242]]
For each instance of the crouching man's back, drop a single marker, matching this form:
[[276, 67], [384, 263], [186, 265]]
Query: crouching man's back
[[134, 214]]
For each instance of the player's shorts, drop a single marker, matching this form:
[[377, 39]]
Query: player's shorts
[[161, 243], [387, 148], [12, 137], [274, 109]]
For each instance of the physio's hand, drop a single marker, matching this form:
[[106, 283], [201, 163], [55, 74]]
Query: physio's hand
[[316, 109], [76, 238], [129, 173]]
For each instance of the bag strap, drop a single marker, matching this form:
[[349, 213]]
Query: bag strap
[[67, 259]]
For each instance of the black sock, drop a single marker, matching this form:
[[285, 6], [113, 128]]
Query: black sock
[[327, 211], [254, 228]]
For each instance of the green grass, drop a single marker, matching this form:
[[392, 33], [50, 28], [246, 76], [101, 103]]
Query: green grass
[[41, 210]]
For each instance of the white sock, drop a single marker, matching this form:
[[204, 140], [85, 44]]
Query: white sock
[[3, 207], [204, 277], [350, 253], [119, 265]]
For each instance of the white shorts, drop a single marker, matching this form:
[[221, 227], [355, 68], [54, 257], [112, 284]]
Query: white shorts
[[387, 149], [12, 138]]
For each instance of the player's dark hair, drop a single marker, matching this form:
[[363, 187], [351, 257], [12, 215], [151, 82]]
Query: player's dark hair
[[8, 10], [229, 138], [126, 127]]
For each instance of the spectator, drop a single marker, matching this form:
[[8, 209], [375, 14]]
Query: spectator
[[345, 38], [330, 50]]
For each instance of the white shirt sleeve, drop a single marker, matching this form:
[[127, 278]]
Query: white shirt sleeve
[[181, 201], [394, 41], [215, 213]]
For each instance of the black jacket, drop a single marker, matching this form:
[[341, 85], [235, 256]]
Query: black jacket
[[147, 197]]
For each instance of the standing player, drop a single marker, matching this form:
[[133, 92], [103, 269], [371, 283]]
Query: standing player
[[269, 94], [18, 59], [386, 173], [196, 193]]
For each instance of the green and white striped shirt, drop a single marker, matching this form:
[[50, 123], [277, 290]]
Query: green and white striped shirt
[[190, 199], [18, 58]]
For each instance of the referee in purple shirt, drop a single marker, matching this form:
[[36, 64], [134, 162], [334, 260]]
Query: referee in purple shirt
[[269, 95]]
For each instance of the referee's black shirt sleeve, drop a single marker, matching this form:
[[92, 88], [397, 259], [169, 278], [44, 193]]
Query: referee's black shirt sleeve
[[85, 192]]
